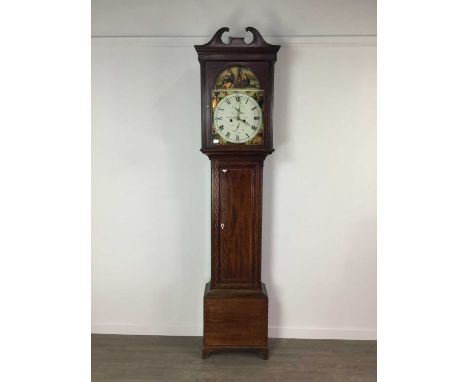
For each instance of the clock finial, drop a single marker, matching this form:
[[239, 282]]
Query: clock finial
[[217, 37], [257, 37]]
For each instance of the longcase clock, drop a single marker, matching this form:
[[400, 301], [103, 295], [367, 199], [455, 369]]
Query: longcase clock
[[237, 135]]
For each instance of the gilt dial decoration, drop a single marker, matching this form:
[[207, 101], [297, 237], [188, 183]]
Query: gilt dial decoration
[[237, 107], [237, 118]]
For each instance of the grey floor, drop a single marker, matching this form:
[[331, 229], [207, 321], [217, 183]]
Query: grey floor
[[163, 359]]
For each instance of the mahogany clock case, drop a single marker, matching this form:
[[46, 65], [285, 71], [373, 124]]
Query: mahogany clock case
[[235, 300]]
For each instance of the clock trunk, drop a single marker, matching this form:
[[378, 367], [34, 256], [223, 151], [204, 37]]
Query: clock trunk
[[236, 223]]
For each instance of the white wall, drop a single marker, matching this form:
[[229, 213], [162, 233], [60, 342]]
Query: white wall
[[204, 17], [151, 195]]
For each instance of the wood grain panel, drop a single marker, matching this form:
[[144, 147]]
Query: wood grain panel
[[235, 322], [237, 220]]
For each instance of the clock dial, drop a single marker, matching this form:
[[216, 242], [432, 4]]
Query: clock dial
[[237, 118]]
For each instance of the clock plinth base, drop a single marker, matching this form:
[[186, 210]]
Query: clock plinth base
[[235, 319]]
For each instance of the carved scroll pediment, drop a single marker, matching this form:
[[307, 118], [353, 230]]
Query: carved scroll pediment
[[216, 42]]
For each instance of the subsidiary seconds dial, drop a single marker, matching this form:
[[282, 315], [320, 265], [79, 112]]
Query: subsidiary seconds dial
[[237, 118]]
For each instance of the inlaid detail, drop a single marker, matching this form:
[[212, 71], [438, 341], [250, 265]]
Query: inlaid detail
[[215, 219]]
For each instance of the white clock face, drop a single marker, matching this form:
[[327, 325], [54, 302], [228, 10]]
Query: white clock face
[[237, 118]]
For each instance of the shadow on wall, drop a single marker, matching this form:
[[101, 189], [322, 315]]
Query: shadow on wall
[[179, 109], [281, 108]]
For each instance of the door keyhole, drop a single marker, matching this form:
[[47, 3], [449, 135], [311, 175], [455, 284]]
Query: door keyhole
[[222, 225]]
